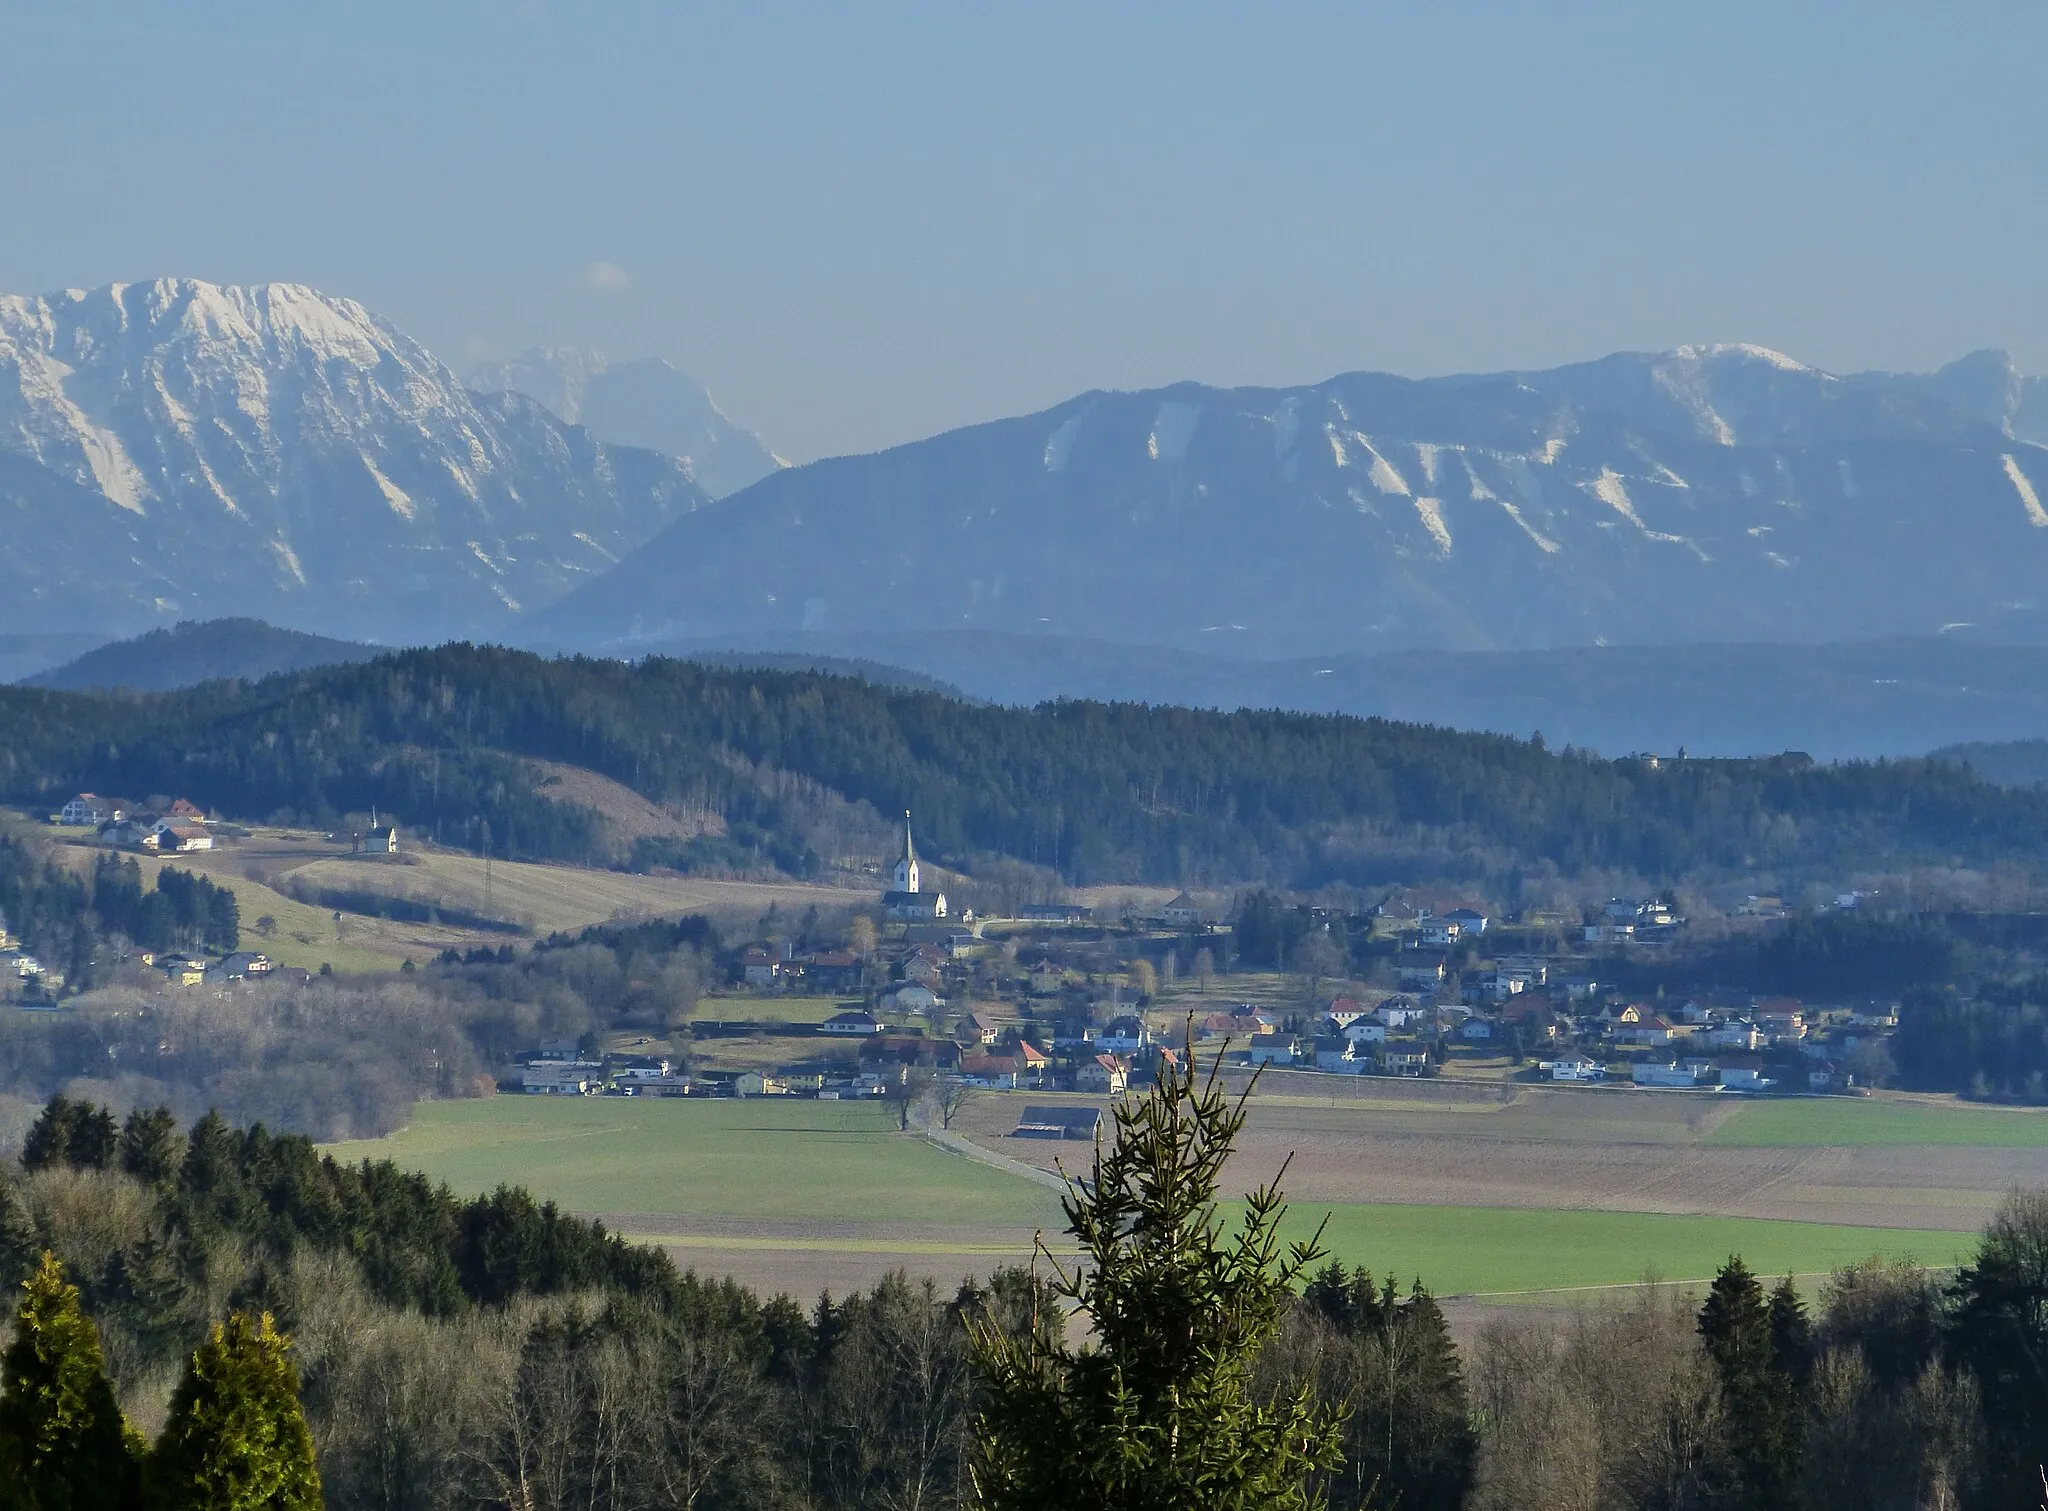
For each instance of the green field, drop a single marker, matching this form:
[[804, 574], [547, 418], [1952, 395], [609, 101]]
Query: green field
[[1467, 1250], [1843, 1121], [845, 1168], [782, 1160]]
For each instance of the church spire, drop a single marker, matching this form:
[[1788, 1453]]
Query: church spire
[[906, 869]]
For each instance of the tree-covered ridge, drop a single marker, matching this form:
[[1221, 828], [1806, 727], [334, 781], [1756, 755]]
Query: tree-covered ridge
[[1102, 792]]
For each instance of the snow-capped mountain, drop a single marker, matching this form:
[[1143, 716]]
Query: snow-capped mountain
[[1722, 493], [177, 450], [646, 403]]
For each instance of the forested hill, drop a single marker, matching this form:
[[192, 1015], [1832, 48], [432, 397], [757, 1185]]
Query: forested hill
[[1104, 792]]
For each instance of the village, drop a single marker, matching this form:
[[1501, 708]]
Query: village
[[1062, 998]]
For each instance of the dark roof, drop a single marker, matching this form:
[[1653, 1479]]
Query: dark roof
[[1083, 1118]]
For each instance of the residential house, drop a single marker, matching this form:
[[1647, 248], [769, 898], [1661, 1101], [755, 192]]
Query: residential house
[[915, 997], [1124, 1036], [1399, 1012], [760, 967], [1742, 1073], [1438, 933], [1669, 1073], [976, 1029], [1342, 1013], [168, 838], [1032, 1062], [1341, 1056], [1476, 1030], [1271, 1049], [245, 963], [1069, 1037], [91, 808], [185, 811], [1182, 913], [924, 965], [1365, 1031], [382, 839], [182, 970], [1047, 978], [1738, 1035], [1468, 920], [1578, 1068], [991, 1072], [1403, 1062], [1425, 976], [854, 1021], [640, 1070], [1104, 1075], [1783, 1018]]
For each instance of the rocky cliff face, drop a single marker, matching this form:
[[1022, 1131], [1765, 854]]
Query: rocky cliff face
[[176, 449], [1707, 494]]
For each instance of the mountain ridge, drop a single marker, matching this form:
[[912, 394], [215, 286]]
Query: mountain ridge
[[1721, 493]]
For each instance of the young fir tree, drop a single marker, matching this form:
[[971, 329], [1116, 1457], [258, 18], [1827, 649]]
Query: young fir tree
[[63, 1443], [1759, 1396], [1160, 1412], [236, 1439]]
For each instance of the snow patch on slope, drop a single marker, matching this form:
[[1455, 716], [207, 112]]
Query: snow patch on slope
[[2024, 487]]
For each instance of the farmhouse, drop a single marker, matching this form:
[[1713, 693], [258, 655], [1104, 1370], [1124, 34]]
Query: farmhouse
[[168, 838], [1182, 913]]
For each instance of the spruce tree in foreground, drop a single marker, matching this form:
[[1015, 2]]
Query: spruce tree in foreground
[[1160, 1412], [236, 1439], [1747, 1337], [63, 1443]]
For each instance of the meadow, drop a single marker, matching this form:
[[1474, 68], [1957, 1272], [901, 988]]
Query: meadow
[[800, 1194]]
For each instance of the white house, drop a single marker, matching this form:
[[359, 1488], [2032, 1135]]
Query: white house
[[1272, 1049], [1438, 933], [853, 1021], [1182, 913], [1469, 920], [1575, 1070], [1340, 1056], [381, 839], [1646, 1073], [1365, 1031], [912, 997], [1124, 1036], [1105, 1074], [1740, 1073]]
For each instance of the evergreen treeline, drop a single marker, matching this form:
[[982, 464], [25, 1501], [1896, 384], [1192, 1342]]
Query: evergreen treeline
[[495, 1353], [1099, 792]]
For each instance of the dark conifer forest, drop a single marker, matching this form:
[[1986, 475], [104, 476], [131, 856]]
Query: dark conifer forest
[[1098, 792]]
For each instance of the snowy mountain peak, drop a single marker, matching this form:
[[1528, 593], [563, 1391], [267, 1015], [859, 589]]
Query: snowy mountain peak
[[638, 403], [272, 449]]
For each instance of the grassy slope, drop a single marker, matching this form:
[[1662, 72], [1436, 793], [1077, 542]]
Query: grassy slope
[[1459, 1250], [783, 1160], [831, 1163], [1841, 1122]]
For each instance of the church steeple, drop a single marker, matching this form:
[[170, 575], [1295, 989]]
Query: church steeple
[[906, 868]]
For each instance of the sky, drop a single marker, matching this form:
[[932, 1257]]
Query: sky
[[861, 224]]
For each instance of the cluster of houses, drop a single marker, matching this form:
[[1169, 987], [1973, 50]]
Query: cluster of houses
[[22, 976], [166, 826]]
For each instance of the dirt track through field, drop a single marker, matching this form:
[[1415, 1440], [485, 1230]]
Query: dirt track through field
[[1585, 1151]]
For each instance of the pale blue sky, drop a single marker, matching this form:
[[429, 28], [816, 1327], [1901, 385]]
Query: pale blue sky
[[864, 223]]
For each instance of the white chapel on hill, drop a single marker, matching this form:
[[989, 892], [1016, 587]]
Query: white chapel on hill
[[906, 900]]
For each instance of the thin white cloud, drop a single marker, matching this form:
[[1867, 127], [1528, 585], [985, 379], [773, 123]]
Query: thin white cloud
[[607, 277]]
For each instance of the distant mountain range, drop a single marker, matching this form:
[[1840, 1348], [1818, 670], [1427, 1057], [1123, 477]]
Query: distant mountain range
[[1710, 494], [646, 404], [176, 449]]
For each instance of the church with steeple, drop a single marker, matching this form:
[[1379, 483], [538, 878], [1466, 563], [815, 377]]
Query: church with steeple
[[906, 901]]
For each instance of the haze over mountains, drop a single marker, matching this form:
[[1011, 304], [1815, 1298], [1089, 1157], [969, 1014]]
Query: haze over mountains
[[646, 403], [1711, 494], [177, 449]]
